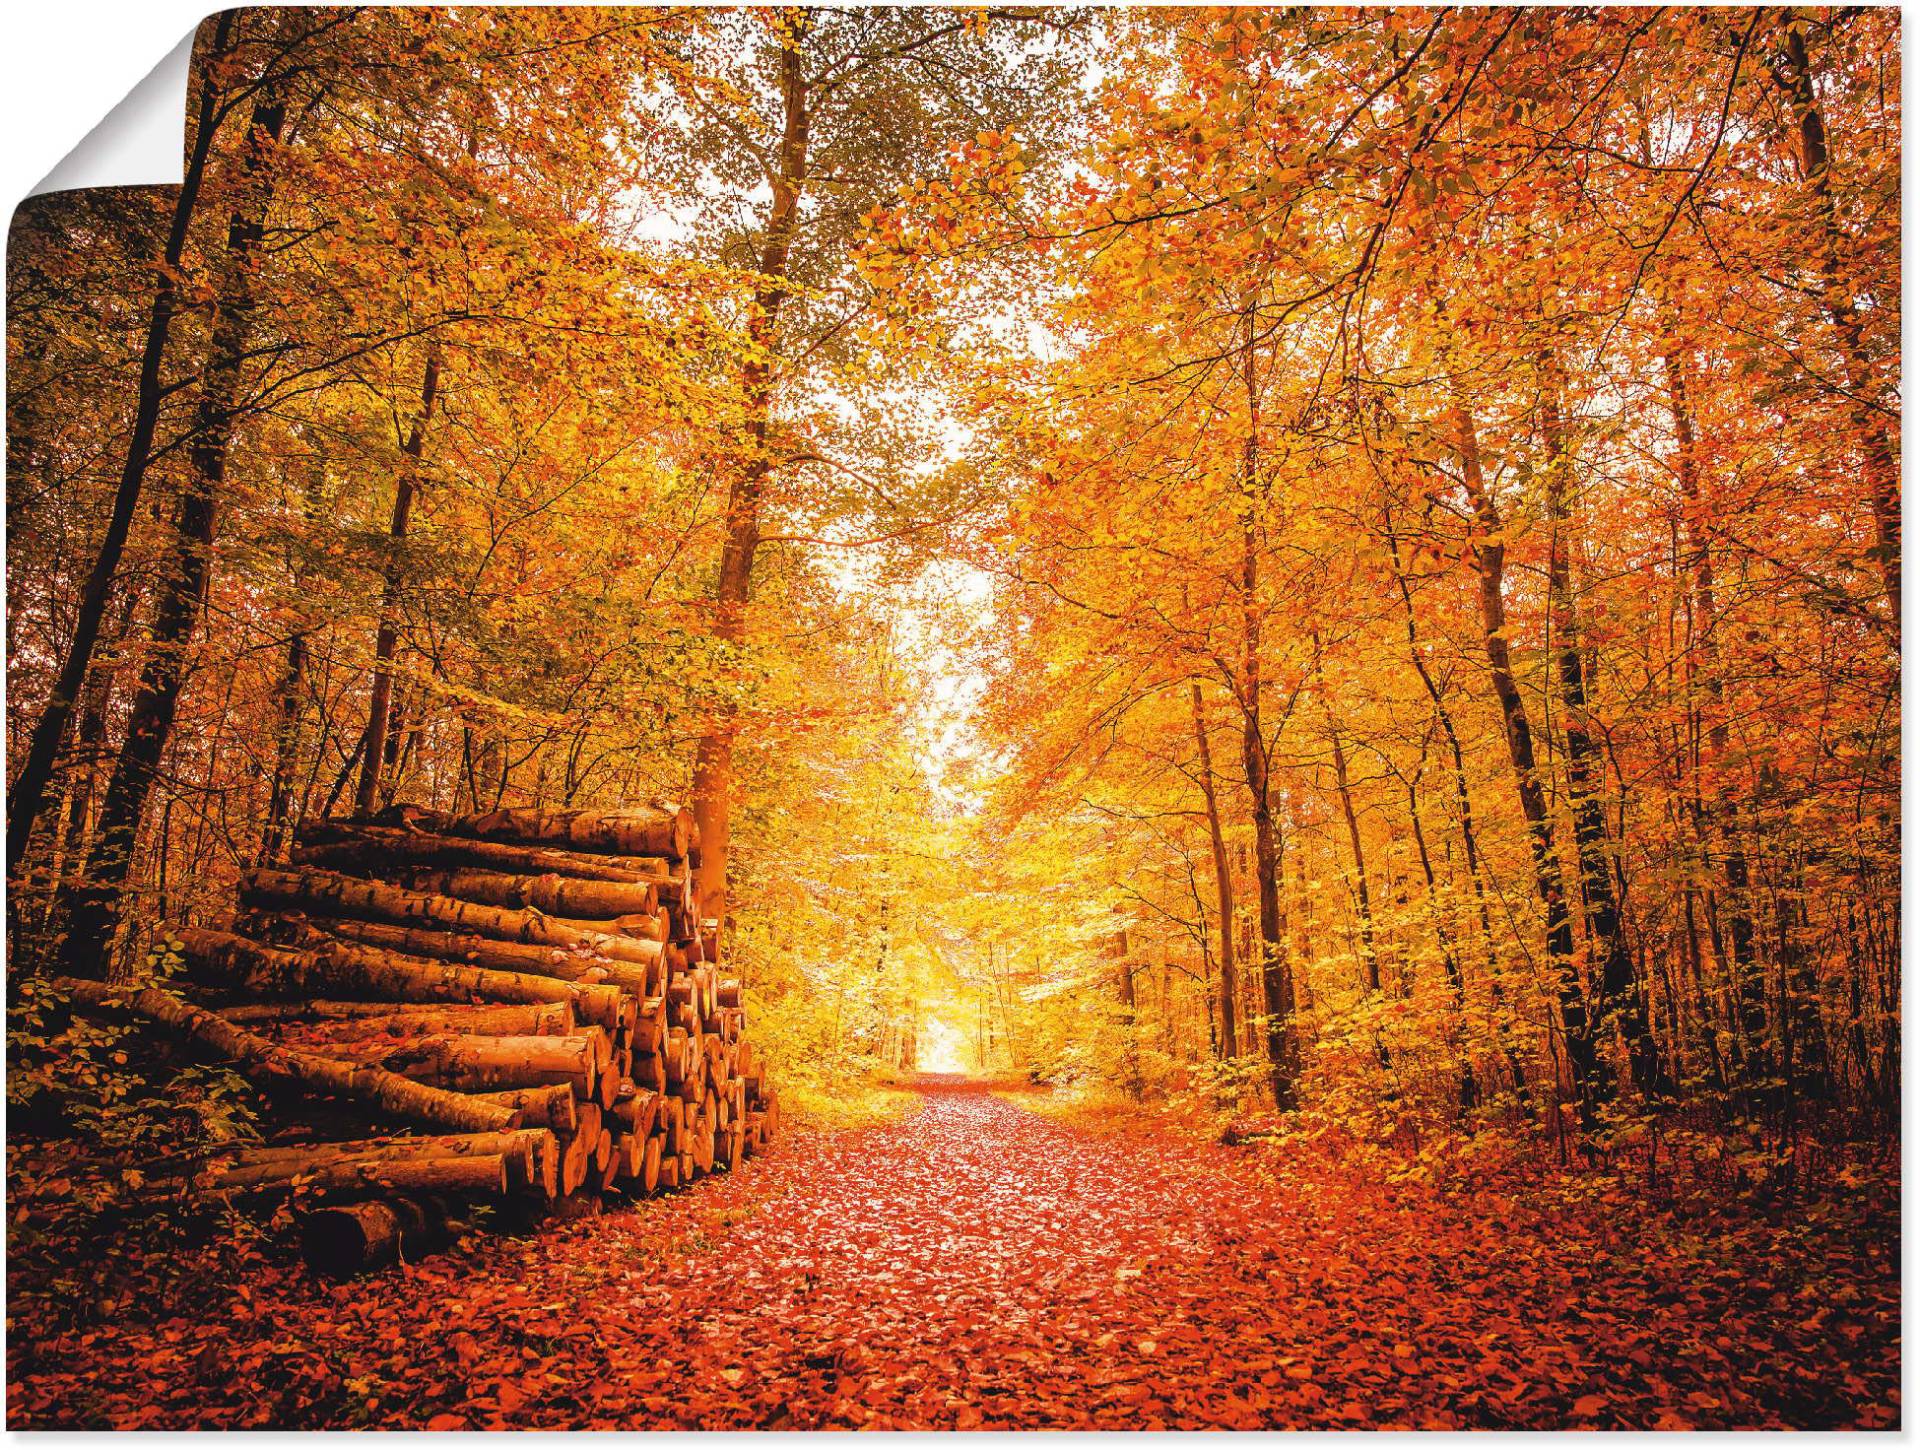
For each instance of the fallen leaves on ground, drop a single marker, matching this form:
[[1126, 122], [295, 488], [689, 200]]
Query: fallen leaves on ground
[[980, 1267]]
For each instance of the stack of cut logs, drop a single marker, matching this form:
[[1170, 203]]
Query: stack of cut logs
[[532, 992]]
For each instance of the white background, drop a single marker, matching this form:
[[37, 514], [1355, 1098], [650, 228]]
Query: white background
[[65, 64]]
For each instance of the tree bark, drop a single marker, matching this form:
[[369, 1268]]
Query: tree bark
[[531, 1155], [222, 960], [387, 635], [28, 794], [508, 958], [635, 906], [1876, 441], [323, 893], [94, 906], [266, 1061], [1489, 552], [488, 1174], [1276, 972], [1619, 1000], [713, 760], [1222, 885], [649, 831], [359, 847], [550, 1106], [372, 1019], [1721, 808]]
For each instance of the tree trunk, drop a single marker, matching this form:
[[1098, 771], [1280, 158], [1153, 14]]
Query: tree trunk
[[1363, 896], [1276, 973], [487, 1174], [371, 1019], [268, 1062], [1489, 552], [467, 1063], [659, 830], [1620, 1000], [713, 760], [286, 756], [361, 847], [387, 635], [352, 1238], [1222, 885], [221, 960], [29, 789], [552, 1105], [634, 905], [1876, 439], [94, 906], [1721, 809], [556, 964], [323, 893], [531, 1155]]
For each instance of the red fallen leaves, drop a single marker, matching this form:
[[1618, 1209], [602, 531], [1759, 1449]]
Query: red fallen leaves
[[980, 1267]]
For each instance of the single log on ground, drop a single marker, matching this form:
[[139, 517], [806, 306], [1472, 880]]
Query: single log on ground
[[352, 1238], [551, 1106], [371, 1019], [362, 849], [556, 895], [574, 1206], [264, 1060], [327, 893]]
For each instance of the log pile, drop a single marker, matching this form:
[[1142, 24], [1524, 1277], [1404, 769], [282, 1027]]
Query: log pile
[[532, 994]]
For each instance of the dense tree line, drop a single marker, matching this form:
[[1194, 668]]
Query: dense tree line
[[1342, 558]]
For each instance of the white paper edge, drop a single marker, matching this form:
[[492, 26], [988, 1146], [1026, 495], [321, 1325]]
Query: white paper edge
[[140, 142]]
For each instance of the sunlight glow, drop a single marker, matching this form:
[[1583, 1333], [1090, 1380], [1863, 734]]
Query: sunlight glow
[[941, 1047]]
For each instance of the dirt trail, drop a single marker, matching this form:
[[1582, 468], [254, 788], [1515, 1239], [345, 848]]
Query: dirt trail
[[981, 1266]]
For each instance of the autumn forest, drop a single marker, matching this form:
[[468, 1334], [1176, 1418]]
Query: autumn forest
[[964, 718]]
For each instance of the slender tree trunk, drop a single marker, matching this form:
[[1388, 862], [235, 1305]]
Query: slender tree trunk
[[1363, 896], [29, 789], [1588, 1068], [94, 906], [1129, 1012], [1276, 974], [1721, 809], [286, 752], [1877, 438], [1362, 893], [713, 760], [1223, 888], [1620, 999], [387, 636], [292, 696]]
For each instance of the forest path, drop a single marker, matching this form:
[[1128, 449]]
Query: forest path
[[981, 1265]]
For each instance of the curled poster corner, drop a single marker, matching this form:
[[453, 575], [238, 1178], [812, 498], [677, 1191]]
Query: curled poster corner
[[137, 143]]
